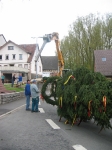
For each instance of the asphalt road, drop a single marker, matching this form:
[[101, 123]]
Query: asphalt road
[[23, 130]]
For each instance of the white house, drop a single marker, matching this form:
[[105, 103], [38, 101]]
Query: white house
[[17, 59]]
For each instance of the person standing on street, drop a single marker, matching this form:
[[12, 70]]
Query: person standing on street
[[3, 78], [13, 79], [35, 96], [19, 80], [28, 95]]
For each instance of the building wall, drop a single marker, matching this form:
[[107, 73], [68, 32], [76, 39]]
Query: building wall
[[20, 63], [15, 62], [39, 66], [4, 51]]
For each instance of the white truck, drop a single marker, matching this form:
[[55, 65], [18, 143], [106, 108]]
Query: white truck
[[46, 74]]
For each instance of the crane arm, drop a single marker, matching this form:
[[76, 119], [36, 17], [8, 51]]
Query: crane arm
[[60, 58], [46, 39]]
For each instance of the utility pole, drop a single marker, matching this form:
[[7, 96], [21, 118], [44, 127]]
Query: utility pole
[[36, 61]]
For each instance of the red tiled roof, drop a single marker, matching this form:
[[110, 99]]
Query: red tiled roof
[[103, 62], [12, 43], [29, 48]]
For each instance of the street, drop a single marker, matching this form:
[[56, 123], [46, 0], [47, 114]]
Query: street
[[23, 130]]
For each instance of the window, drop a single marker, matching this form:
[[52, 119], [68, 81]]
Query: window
[[10, 47], [11, 64], [23, 74], [0, 57], [19, 65], [26, 66], [7, 57], [13, 56], [20, 57], [103, 59]]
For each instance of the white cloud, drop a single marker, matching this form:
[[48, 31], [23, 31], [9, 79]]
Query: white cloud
[[22, 19]]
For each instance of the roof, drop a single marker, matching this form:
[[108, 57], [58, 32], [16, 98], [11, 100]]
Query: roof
[[3, 37], [28, 48], [103, 62], [50, 62], [2, 40]]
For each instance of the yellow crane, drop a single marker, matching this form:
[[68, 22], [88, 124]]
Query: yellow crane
[[48, 38]]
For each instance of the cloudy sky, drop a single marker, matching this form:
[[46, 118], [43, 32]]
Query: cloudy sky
[[22, 19]]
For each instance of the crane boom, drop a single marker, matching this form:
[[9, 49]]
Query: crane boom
[[60, 58], [48, 38]]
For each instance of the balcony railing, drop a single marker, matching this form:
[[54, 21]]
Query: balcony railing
[[13, 69]]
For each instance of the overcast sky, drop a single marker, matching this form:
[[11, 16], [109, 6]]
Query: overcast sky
[[22, 19]]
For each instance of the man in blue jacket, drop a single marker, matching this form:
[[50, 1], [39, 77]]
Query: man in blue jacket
[[28, 95], [19, 82]]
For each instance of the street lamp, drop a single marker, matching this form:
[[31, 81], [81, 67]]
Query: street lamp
[[36, 61]]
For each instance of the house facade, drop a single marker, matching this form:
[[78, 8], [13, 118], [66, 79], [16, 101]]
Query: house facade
[[103, 62], [15, 59]]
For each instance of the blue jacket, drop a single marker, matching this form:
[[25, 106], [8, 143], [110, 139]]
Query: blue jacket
[[20, 78], [27, 89]]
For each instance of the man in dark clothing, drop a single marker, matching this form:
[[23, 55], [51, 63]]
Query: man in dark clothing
[[27, 94], [13, 79]]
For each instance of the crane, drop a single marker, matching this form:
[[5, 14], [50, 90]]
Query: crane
[[48, 38]]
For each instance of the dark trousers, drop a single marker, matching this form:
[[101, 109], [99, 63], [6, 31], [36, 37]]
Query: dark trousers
[[12, 83], [35, 102], [3, 81], [27, 101]]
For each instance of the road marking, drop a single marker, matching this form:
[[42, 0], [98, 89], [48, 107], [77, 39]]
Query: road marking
[[41, 110], [12, 111], [53, 125], [79, 147]]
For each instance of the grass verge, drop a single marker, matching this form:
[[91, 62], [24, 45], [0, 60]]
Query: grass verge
[[15, 89]]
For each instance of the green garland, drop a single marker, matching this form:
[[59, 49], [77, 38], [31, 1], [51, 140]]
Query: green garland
[[81, 99], [50, 98]]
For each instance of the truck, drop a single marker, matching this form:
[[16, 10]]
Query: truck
[[45, 74]]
